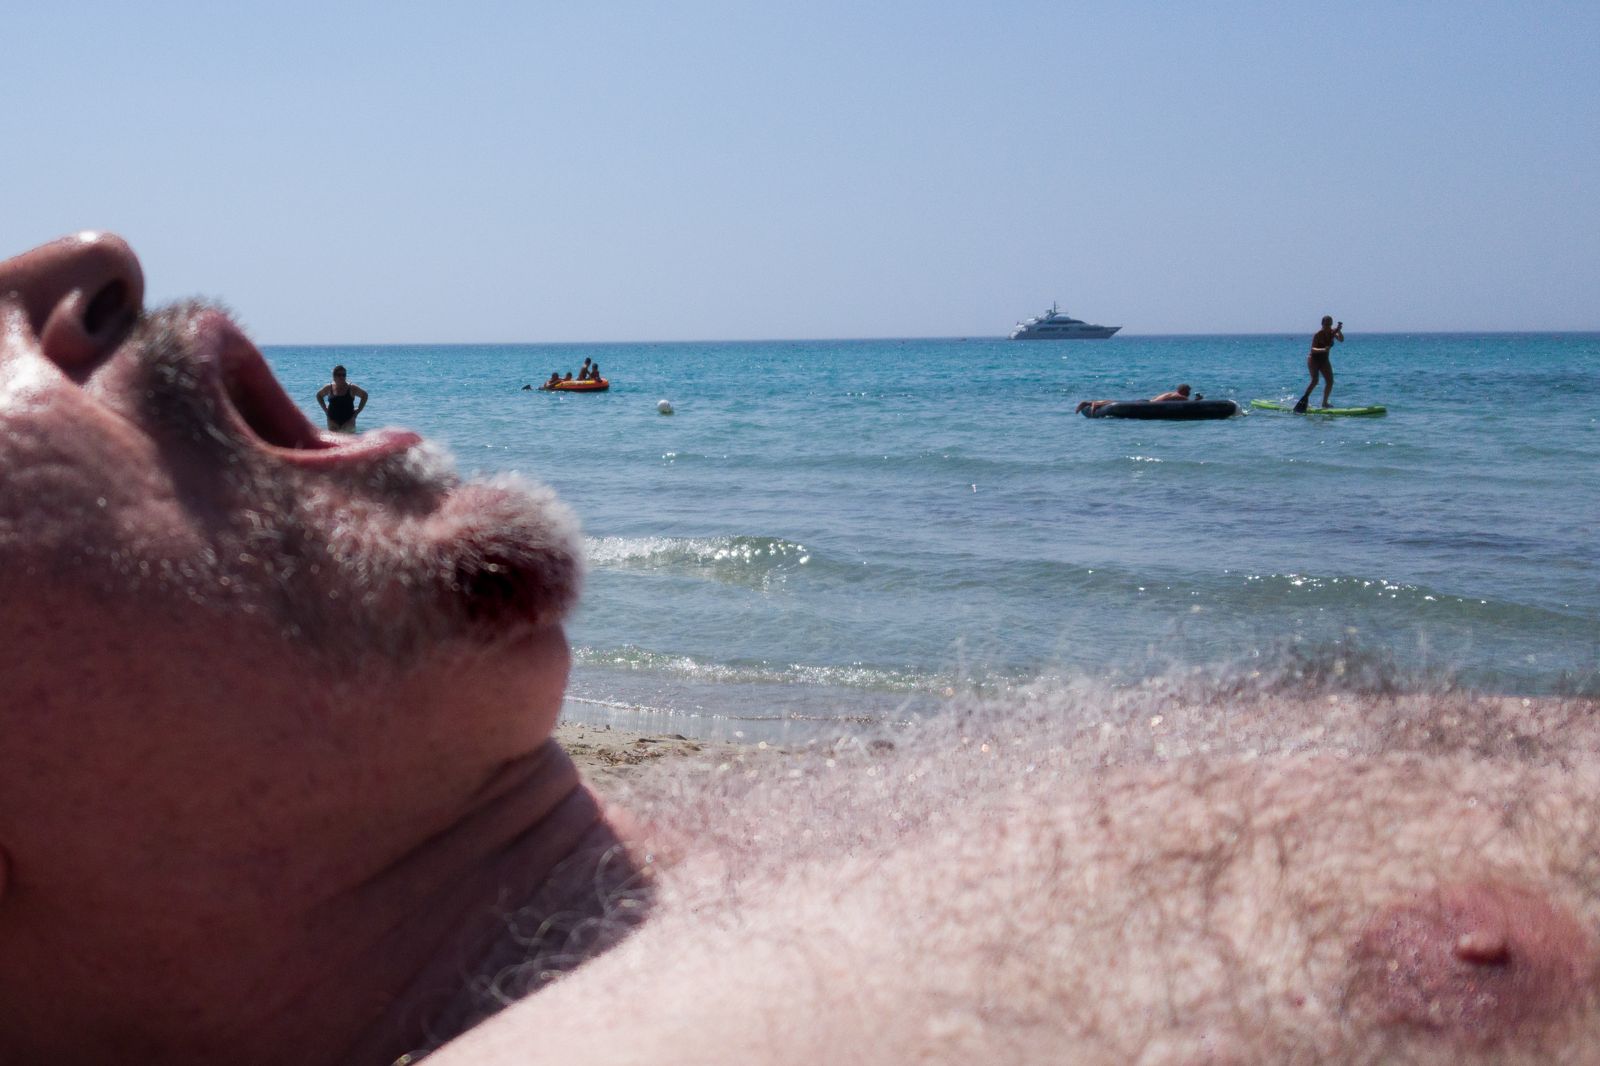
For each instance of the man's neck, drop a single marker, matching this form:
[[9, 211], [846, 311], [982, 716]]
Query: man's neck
[[407, 944]]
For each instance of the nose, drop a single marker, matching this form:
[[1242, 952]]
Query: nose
[[81, 295]]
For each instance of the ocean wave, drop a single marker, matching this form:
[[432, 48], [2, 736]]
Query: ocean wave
[[739, 559], [1047, 619], [1340, 591], [858, 676]]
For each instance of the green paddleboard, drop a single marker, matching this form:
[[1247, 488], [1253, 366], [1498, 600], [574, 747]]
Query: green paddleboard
[[1359, 412]]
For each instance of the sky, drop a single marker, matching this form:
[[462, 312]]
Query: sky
[[594, 171]]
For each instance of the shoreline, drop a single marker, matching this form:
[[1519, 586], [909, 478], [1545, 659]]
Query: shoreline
[[1186, 722], [739, 713]]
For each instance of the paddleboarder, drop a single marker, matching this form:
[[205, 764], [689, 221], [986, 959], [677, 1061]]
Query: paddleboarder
[[1317, 361]]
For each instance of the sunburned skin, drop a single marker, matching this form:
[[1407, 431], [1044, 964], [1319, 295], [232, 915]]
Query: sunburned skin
[[277, 785]]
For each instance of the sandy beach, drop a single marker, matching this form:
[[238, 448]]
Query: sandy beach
[[609, 756]]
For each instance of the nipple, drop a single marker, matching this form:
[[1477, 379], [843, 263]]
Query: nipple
[[1476, 962]]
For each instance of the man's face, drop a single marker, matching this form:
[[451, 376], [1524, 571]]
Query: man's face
[[213, 615]]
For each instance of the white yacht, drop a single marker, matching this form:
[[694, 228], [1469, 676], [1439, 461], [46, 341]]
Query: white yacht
[[1056, 325]]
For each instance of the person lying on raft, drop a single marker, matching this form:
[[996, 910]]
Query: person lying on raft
[[1179, 393], [555, 379]]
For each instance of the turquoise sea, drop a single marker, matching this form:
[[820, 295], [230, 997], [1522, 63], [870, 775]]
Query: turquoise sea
[[860, 528]]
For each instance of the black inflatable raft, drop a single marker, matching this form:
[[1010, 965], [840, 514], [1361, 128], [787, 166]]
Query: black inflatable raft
[[1175, 410]]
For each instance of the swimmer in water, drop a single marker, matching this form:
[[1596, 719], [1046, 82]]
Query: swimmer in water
[[341, 401], [1318, 361]]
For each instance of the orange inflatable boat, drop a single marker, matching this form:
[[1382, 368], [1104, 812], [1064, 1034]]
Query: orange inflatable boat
[[577, 386]]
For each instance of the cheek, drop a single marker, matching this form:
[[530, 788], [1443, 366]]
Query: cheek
[[84, 698], [74, 482], [152, 742], [122, 691]]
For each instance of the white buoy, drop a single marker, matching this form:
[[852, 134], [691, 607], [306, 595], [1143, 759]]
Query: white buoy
[[665, 407]]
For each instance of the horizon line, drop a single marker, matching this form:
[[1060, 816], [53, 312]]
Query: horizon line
[[950, 337]]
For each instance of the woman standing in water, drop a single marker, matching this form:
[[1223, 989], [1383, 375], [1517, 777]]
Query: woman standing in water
[[338, 401]]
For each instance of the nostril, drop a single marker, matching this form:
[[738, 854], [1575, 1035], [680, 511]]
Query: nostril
[[83, 331], [106, 307]]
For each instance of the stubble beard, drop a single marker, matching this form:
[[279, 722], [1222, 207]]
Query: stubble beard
[[384, 557]]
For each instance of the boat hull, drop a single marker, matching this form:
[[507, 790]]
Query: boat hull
[[1092, 333], [577, 386]]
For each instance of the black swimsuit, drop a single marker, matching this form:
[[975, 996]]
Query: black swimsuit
[[341, 408]]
